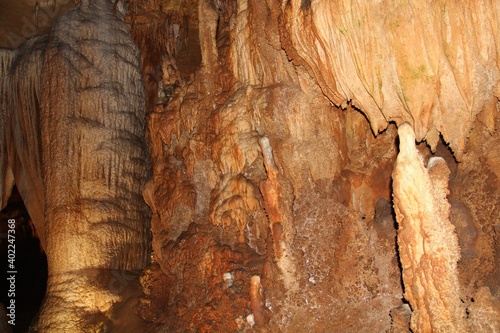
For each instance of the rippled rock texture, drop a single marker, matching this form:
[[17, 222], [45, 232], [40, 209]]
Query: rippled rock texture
[[279, 147]]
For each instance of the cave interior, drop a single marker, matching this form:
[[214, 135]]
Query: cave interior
[[311, 166]]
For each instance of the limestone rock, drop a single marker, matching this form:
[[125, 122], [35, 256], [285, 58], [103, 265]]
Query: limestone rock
[[428, 244], [433, 64]]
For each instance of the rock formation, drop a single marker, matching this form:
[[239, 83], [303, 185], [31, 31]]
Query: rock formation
[[315, 166], [75, 121], [433, 64], [428, 244]]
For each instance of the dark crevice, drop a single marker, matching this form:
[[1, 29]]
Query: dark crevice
[[30, 264]]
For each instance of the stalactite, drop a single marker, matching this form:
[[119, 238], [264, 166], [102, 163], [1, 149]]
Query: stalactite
[[438, 70]]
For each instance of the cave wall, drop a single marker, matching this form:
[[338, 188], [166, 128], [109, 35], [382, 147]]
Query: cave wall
[[274, 158]]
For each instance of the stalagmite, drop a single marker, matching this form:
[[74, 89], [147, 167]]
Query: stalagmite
[[428, 245], [257, 300]]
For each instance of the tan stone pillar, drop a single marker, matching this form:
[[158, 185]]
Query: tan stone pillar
[[428, 244]]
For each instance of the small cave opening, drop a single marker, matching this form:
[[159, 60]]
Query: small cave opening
[[24, 277]]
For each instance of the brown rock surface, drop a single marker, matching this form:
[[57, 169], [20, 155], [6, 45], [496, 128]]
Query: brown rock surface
[[433, 64], [278, 146], [266, 159]]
